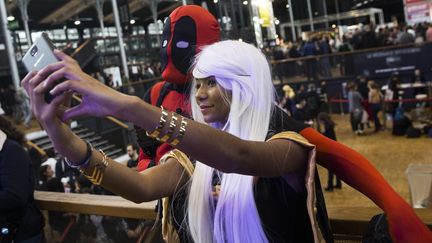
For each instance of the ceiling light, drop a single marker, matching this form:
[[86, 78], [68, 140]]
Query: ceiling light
[[11, 18], [77, 22], [132, 21], [245, 2]]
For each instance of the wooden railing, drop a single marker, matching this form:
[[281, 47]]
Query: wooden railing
[[347, 223], [94, 204]]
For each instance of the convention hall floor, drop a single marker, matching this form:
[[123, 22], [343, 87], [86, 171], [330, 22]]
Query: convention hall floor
[[390, 154]]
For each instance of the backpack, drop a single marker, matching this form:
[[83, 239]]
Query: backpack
[[377, 230], [399, 114], [413, 132]]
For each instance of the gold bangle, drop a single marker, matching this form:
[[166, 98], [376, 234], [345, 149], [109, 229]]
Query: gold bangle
[[98, 170], [181, 132], [171, 128], [162, 121]]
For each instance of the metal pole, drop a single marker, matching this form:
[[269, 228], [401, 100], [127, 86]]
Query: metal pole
[[310, 15], [337, 12], [153, 8], [99, 8], [120, 38], [240, 9], [324, 2], [291, 15], [184, 2], [9, 48], [381, 17], [22, 4], [233, 20]]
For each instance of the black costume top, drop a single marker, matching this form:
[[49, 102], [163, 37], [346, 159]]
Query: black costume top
[[282, 208]]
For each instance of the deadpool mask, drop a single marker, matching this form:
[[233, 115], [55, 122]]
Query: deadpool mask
[[186, 30]]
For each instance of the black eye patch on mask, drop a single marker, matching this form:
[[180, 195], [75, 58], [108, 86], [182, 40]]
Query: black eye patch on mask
[[183, 43], [166, 36]]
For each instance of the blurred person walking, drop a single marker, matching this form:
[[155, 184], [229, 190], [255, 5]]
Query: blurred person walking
[[328, 124]]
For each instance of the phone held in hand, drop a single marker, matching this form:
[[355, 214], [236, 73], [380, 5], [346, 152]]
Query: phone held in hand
[[38, 56]]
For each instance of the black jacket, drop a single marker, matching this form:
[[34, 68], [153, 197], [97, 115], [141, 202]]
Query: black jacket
[[17, 206]]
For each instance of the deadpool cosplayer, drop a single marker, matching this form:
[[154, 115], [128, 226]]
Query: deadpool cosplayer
[[186, 30], [190, 27]]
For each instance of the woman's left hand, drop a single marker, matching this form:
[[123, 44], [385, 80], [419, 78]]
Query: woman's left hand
[[98, 99]]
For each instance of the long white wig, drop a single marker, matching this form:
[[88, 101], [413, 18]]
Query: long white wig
[[242, 70]]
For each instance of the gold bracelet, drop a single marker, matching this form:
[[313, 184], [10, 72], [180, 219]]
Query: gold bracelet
[[180, 133], [171, 128], [98, 170], [162, 121]]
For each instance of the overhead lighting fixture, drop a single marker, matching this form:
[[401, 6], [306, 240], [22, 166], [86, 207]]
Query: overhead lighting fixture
[[132, 21], [277, 22], [333, 26], [245, 2], [215, 1], [77, 22], [287, 6], [11, 18]]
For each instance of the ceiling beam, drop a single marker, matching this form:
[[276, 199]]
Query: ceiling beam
[[67, 11], [134, 6], [167, 9]]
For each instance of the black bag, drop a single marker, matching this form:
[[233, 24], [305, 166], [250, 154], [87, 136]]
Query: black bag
[[400, 126], [413, 132], [377, 230]]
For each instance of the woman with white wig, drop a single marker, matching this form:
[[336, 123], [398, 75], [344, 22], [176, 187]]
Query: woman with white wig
[[247, 180]]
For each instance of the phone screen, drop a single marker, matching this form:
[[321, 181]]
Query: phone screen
[[39, 55]]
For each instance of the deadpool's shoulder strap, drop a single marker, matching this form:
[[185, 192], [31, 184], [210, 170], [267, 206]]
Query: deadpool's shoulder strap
[[158, 93]]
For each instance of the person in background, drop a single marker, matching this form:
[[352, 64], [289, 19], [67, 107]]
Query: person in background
[[18, 211], [418, 82], [287, 102], [23, 102], [328, 124], [375, 99], [355, 108], [301, 112], [132, 151]]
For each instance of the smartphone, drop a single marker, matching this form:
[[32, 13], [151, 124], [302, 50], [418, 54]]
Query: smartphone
[[39, 55]]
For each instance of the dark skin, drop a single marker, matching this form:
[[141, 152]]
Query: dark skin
[[229, 154]]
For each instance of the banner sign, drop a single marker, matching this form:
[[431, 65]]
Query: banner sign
[[417, 11], [389, 61]]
